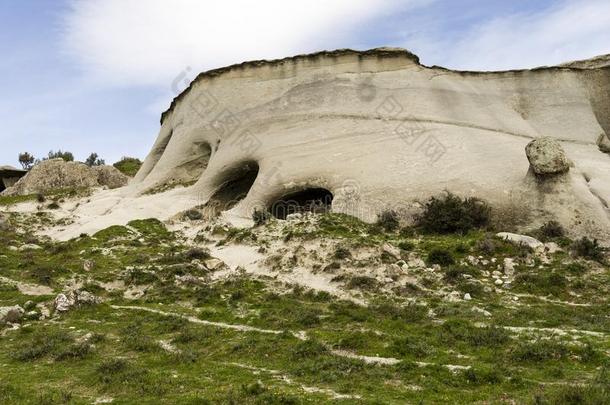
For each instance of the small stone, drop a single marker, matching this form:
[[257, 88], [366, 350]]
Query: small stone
[[29, 305], [454, 296], [11, 314], [29, 246], [88, 265], [63, 303], [391, 250], [467, 297], [294, 217], [509, 266], [520, 239], [499, 281], [213, 264]]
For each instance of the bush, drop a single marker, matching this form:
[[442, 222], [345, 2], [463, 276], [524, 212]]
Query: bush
[[441, 257], [388, 220], [193, 215], [66, 156], [308, 349], [541, 350], [451, 214], [589, 249], [94, 160], [362, 282], [260, 217], [551, 229], [53, 206], [406, 246], [342, 253], [128, 166], [26, 160]]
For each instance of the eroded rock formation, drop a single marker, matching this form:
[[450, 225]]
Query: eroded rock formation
[[378, 130], [55, 174]]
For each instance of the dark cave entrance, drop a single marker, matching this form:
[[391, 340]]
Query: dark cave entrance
[[313, 200], [234, 186]]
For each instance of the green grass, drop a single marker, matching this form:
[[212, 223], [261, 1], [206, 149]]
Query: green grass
[[50, 361]]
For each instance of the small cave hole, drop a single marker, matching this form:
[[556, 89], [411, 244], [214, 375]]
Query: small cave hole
[[234, 186], [312, 200]]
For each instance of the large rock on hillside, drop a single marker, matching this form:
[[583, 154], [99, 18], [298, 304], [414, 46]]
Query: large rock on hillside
[[547, 157], [56, 174], [110, 177]]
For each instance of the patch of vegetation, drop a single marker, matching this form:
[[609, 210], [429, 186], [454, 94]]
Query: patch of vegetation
[[551, 230], [547, 283], [128, 166], [261, 217], [441, 257], [193, 215], [389, 221], [452, 214], [589, 249]]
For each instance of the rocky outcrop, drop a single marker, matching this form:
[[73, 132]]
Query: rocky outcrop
[[110, 177], [57, 174], [64, 302], [365, 132], [547, 157], [9, 175]]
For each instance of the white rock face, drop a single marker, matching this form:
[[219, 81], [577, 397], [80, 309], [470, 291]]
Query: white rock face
[[378, 130], [546, 156]]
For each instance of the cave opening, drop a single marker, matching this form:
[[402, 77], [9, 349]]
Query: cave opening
[[235, 184], [310, 200]]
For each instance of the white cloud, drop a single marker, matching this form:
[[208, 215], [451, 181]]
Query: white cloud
[[144, 42], [573, 29]]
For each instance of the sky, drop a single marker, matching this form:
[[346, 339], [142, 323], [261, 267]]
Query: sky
[[95, 75]]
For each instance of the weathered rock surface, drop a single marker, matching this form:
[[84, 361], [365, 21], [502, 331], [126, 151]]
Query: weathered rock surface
[[110, 176], [547, 157], [56, 174], [377, 130]]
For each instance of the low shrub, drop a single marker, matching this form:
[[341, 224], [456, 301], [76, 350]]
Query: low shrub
[[589, 249], [128, 166], [308, 349], [389, 221], [452, 214], [362, 282], [550, 230], [540, 350], [406, 246], [441, 257], [193, 215], [260, 217], [341, 252]]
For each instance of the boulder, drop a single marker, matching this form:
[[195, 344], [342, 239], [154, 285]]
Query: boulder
[[64, 302], [56, 174], [11, 314], [391, 250], [520, 239], [110, 176], [214, 264], [547, 157]]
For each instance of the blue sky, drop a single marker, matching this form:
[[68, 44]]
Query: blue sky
[[95, 75]]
